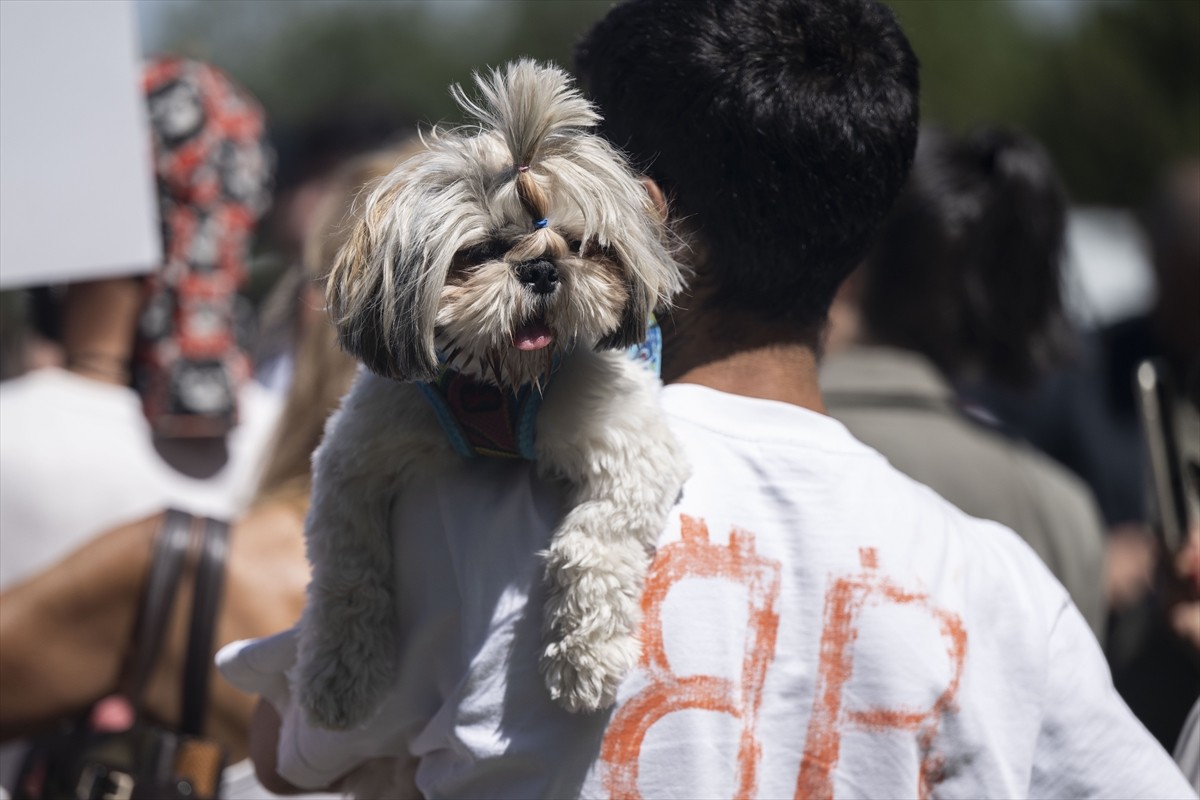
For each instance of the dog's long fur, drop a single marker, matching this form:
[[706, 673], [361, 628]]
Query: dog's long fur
[[434, 264]]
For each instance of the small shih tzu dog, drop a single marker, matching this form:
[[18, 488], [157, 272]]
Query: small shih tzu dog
[[488, 287]]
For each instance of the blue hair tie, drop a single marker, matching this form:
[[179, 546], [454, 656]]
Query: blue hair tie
[[541, 223]]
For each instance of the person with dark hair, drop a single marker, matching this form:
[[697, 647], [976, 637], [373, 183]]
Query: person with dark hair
[[1085, 415], [964, 281], [815, 623], [967, 269]]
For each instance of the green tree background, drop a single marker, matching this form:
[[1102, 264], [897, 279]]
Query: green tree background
[[1112, 87]]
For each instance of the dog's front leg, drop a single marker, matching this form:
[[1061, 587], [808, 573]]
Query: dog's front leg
[[602, 430], [348, 641]]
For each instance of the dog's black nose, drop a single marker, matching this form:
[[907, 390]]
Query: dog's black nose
[[541, 276]]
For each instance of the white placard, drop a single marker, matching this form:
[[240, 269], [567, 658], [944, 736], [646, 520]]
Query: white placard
[[77, 198]]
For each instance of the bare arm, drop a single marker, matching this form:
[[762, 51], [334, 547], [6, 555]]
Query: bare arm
[[64, 632]]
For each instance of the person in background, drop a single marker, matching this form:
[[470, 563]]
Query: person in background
[[963, 281], [816, 624], [1086, 416], [311, 158], [29, 335], [153, 408], [64, 633]]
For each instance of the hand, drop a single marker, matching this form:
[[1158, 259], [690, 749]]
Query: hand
[[1129, 564], [264, 746], [1184, 613]]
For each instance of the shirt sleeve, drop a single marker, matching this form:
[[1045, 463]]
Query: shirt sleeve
[[1090, 744], [308, 757]]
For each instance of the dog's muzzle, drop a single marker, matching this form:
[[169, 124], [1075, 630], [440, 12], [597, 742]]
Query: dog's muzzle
[[540, 275]]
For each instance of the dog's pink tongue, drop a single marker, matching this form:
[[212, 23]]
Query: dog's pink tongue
[[533, 336]]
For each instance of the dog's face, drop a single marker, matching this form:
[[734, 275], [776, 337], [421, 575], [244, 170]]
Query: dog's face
[[505, 245]]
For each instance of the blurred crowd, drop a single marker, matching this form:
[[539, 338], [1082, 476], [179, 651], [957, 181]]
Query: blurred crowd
[[949, 350]]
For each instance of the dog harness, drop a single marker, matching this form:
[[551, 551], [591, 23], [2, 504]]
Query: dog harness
[[482, 419]]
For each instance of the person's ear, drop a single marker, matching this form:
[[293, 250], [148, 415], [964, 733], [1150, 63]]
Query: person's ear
[[656, 195]]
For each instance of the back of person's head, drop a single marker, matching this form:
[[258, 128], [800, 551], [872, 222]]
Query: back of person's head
[[780, 131], [967, 268]]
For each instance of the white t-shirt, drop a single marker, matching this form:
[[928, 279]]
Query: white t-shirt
[[77, 457], [816, 624]]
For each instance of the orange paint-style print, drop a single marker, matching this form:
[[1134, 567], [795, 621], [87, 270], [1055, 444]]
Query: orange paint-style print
[[695, 557], [869, 557], [844, 602]]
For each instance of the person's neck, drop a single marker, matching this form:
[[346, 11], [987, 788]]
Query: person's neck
[[786, 373], [99, 365], [99, 325], [748, 358]]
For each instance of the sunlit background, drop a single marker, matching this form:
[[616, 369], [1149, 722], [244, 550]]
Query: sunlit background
[[1111, 87]]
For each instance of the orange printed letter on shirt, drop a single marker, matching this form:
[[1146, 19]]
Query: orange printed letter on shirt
[[695, 557], [843, 603]]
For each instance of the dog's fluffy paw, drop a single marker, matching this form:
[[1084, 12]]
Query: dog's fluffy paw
[[346, 666], [592, 618], [584, 678], [333, 697]]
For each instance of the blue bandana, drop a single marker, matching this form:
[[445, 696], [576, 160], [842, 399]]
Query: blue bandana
[[481, 419]]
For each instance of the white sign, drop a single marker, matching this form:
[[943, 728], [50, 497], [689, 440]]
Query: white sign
[[77, 197]]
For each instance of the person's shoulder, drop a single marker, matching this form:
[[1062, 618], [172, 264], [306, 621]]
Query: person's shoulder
[[1034, 489], [996, 557], [258, 403], [770, 424], [53, 405], [50, 383], [1054, 485]]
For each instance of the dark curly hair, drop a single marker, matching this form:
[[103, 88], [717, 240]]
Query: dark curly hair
[[781, 130]]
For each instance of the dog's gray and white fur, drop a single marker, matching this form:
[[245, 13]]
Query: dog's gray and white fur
[[439, 260]]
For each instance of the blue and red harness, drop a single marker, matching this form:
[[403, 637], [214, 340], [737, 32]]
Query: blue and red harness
[[481, 419]]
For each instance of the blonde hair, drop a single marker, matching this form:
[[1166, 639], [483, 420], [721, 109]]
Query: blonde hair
[[323, 371]]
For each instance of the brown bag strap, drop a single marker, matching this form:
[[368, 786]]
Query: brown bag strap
[[206, 601], [171, 547]]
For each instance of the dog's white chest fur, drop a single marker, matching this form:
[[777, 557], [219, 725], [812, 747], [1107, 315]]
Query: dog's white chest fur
[[599, 428]]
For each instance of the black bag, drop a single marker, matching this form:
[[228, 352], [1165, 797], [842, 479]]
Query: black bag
[[148, 761]]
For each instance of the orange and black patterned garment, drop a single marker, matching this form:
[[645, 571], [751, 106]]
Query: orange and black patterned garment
[[213, 168]]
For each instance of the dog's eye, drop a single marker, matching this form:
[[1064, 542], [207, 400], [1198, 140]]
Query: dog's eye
[[575, 245], [490, 250]]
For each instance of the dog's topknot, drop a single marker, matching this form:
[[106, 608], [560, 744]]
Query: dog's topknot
[[537, 110], [531, 105]]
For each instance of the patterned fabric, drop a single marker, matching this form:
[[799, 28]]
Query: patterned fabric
[[213, 168], [481, 419], [649, 352]]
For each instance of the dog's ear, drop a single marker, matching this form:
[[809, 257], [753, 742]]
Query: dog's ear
[[634, 321], [383, 333]]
